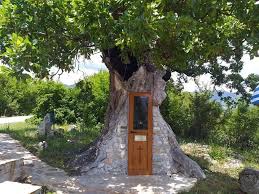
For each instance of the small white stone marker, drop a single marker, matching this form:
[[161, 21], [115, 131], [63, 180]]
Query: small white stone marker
[[9, 187]]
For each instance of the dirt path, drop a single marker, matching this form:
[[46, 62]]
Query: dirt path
[[57, 180]]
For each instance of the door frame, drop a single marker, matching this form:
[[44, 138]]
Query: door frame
[[148, 132]]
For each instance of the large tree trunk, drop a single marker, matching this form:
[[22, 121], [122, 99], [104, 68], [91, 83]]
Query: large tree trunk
[[108, 155]]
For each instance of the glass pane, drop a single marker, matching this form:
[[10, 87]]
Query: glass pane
[[140, 112]]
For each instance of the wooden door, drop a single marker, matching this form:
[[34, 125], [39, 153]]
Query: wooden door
[[140, 133]]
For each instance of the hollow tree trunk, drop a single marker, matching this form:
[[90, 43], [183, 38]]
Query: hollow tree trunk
[[108, 155]]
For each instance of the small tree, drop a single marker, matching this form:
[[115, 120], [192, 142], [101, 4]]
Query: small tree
[[243, 126], [206, 115], [177, 110], [53, 97]]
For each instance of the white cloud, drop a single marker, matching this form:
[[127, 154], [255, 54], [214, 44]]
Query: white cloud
[[73, 77], [204, 81], [84, 67], [250, 66], [95, 64], [191, 86]]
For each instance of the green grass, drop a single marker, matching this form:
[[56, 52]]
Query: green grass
[[220, 180], [60, 148], [218, 152], [216, 183]]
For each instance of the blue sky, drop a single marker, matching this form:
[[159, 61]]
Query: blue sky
[[95, 64]]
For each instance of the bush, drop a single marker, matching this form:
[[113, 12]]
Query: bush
[[85, 104], [191, 115], [91, 96], [206, 115], [33, 120], [17, 96], [176, 110], [8, 95], [241, 127], [54, 97]]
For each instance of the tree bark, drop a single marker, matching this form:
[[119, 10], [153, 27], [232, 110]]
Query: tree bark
[[108, 154]]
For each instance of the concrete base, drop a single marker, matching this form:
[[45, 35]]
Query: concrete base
[[9, 187], [11, 170], [136, 184]]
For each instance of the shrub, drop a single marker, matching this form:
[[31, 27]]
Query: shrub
[[191, 115], [17, 95], [206, 115], [92, 94], [54, 97], [241, 127], [176, 110]]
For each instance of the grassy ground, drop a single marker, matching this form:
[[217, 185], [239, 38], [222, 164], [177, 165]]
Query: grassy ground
[[221, 165], [60, 148]]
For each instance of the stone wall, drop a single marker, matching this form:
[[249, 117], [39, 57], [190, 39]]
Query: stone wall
[[112, 156], [161, 148]]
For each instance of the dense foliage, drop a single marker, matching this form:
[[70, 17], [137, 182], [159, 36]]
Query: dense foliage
[[239, 128], [191, 37], [191, 115], [91, 99], [53, 97], [85, 103], [16, 95], [197, 116]]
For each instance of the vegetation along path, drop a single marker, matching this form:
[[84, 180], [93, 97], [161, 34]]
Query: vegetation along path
[[57, 180]]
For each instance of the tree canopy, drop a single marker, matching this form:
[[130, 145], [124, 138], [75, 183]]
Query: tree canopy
[[192, 37]]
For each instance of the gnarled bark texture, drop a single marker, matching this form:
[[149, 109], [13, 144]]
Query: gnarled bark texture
[[108, 155]]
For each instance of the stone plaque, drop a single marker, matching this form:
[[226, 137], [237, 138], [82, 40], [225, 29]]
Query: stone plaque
[[140, 138]]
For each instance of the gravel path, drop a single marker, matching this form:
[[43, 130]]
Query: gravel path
[[57, 180]]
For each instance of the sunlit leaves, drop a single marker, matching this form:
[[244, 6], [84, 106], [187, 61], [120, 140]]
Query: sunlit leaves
[[47, 33], [179, 35]]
